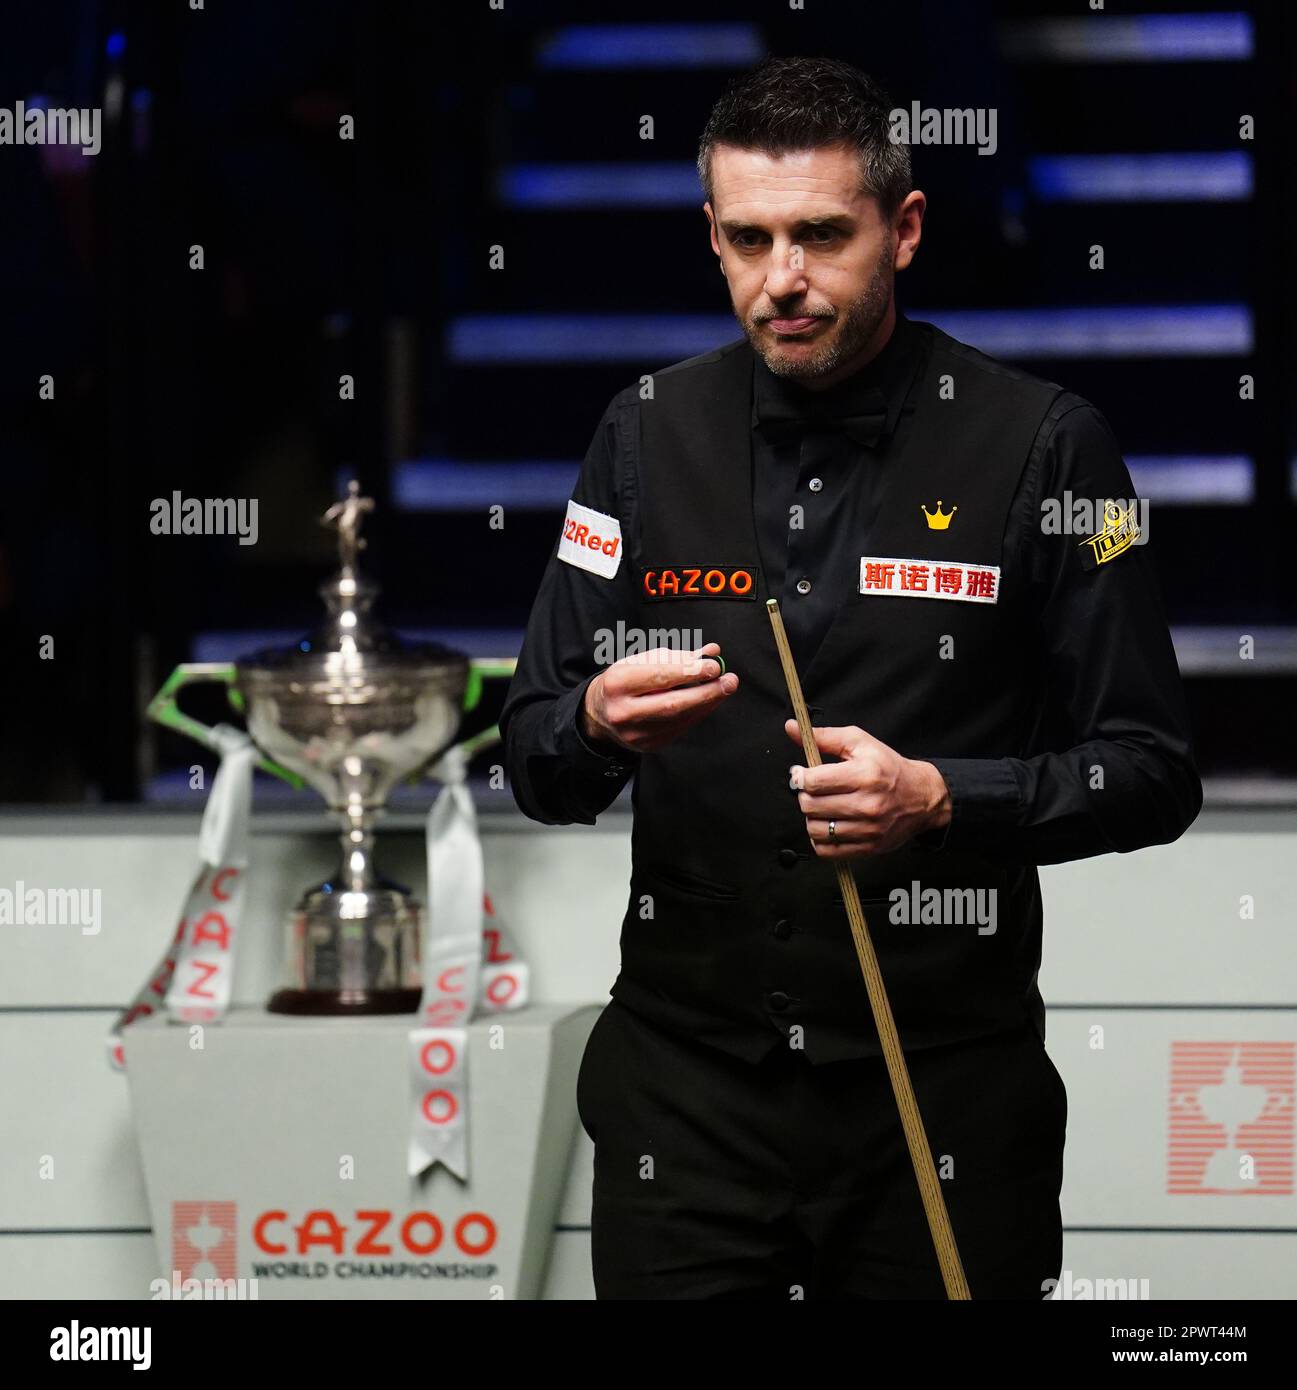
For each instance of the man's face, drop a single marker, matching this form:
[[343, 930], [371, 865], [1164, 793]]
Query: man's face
[[808, 257]]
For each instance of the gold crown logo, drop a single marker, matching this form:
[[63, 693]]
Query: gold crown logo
[[938, 520]]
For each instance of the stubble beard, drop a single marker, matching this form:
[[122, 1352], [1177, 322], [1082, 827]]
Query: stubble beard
[[857, 328]]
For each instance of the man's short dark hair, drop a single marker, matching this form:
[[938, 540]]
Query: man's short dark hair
[[787, 104]]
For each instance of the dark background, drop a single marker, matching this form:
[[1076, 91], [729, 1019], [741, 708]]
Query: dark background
[[370, 256]]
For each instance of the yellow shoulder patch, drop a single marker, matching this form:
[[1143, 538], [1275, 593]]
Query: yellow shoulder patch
[[1120, 531]]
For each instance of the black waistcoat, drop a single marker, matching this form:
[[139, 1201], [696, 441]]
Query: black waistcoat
[[735, 932]]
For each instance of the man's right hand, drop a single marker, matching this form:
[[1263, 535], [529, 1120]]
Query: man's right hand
[[646, 700]]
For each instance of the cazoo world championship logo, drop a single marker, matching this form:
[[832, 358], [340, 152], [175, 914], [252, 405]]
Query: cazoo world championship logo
[[367, 1243]]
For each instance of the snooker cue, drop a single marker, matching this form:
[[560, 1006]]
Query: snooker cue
[[934, 1204]]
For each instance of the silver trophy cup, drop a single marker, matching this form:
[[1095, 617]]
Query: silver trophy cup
[[350, 711]]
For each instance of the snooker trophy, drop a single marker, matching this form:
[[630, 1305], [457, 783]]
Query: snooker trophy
[[350, 710]]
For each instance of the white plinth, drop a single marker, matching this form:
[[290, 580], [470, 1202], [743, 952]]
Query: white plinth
[[276, 1147]]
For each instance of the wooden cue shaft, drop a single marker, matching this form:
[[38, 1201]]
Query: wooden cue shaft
[[934, 1203]]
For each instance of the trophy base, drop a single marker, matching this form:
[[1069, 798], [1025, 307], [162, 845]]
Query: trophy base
[[363, 962], [328, 1002]]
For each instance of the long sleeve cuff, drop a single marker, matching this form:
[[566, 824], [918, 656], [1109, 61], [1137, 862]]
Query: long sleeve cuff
[[579, 753], [984, 796]]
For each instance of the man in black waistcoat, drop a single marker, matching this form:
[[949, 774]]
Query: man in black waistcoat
[[993, 687]]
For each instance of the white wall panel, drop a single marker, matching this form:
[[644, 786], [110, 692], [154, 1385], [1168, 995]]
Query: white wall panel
[[1150, 948]]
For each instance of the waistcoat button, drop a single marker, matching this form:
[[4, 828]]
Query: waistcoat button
[[803, 586], [778, 1000], [788, 857], [783, 929]]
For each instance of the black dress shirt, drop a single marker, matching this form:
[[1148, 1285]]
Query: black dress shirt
[[1111, 692], [815, 480]]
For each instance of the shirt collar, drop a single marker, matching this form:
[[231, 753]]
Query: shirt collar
[[891, 371]]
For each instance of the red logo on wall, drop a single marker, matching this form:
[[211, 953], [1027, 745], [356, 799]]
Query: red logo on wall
[[203, 1239], [1230, 1120]]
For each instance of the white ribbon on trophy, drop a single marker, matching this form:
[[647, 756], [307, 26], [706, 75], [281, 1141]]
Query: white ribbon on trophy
[[194, 979], [465, 968]]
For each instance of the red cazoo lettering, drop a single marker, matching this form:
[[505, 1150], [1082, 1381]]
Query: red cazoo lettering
[[698, 581], [212, 926], [218, 882], [195, 988], [420, 1233]]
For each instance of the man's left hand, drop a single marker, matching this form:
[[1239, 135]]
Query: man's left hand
[[876, 799]]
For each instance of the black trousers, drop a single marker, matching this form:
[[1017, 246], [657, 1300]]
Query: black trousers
[[717, 1178]]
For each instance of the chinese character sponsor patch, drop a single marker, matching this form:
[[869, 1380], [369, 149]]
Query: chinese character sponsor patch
[[952, 579]]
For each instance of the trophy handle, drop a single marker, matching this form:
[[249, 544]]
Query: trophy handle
[[482, 668], [164, 709]]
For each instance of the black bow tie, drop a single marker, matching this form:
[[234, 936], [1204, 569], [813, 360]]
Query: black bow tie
[[780, 418]]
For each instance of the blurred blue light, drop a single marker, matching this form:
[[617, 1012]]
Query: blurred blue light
[[116, 45], [1147, 38], [1183, 38], [233, 646], [1194, 480], [1177, 330], [672, 184], [1134, 178], [446, 485], [586, 46], [455, 485], [585, 337]]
